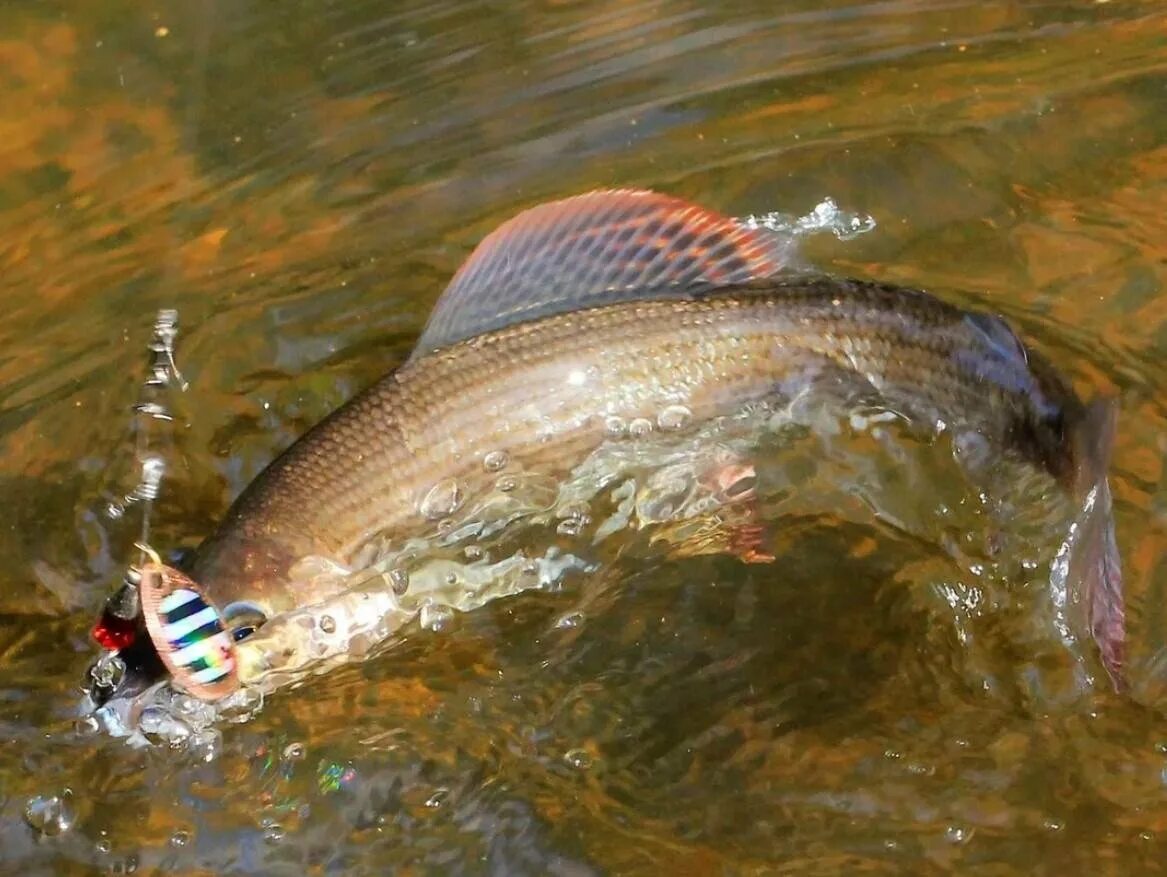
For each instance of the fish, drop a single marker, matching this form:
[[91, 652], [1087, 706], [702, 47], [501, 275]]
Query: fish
[[608, 307]]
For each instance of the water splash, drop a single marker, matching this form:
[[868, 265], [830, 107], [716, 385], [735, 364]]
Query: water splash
[[50, 815], [826, 216]]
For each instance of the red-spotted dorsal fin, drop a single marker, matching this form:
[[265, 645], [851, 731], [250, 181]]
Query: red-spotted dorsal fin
[[598, 248]]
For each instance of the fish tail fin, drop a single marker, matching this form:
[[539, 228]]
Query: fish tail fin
[[1095, 568]]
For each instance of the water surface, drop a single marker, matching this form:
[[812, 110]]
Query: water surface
[[299, 179]]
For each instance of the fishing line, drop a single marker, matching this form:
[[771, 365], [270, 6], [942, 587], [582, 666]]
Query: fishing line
[[162, 374]]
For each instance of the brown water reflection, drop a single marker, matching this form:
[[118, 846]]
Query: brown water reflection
[[300, 179]]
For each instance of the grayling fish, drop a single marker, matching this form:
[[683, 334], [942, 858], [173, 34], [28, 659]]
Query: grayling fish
[[614, 305]]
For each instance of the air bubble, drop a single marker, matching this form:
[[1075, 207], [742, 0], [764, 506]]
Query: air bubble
[[436, 617], [576, 518], [437, 799], [580, 759], [180, 838], [614, 426], [640, 427], [571, 620], [957, 835], [399, 580], [159, 726], [274, 833], [495, 461], [49, 815], [108, 671], [206, 745], [128, 865], [327, 624], [443, 499], [294, 751], [506, 484], [674, 417]]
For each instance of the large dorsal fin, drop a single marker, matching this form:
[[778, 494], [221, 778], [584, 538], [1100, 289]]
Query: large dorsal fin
[[597, 248]]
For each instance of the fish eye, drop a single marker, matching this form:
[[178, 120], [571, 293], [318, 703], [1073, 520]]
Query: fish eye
[[242, 619]]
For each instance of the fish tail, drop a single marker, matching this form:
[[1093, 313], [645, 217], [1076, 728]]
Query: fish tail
[[1095, 570]]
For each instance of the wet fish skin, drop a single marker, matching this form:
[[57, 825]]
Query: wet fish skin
[[626, 304], [542, 392]]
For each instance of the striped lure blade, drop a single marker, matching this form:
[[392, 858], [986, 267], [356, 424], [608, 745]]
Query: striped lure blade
[[188, 633]]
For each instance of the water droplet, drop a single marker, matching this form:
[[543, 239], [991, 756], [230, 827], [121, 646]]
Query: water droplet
[[495, 461], [436, 617], [274, 833], [180, 838], [87, 726], [674, 417], [957, 835], [327, 624], [159, 726], [443, 499], [571, 620], [614, 426], [294, 751], [437, 799], [506, 484], [108, 671], [451, 578], [640, 427], [128, 865], [399, 580], [473, 552], [580, 759], [571, 526], [206, 745], [576, 518], [49, 815]]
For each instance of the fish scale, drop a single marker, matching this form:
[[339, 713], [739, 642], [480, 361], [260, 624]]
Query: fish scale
[[363, 471]]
